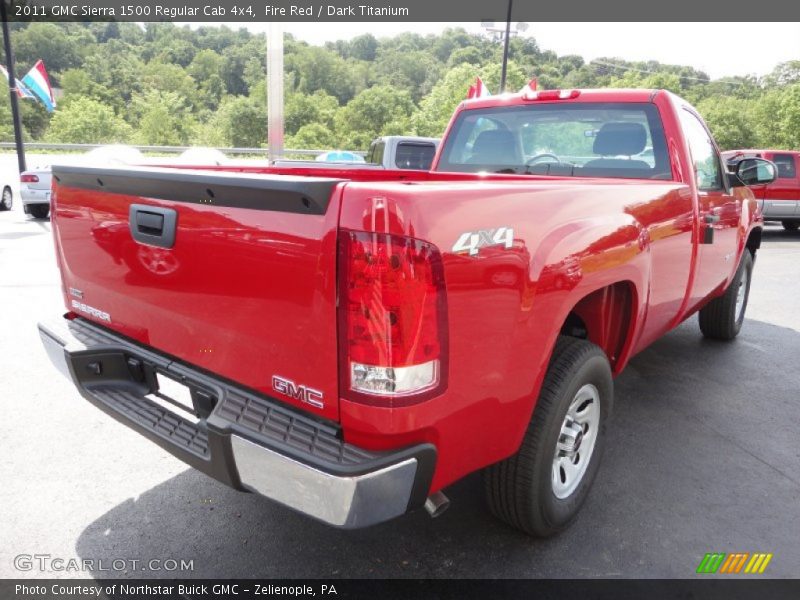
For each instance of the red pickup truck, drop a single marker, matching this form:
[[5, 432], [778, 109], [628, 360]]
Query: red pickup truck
[[350, 342], [780, 200]]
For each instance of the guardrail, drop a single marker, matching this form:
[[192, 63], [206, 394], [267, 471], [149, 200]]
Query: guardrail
[[164, 149]]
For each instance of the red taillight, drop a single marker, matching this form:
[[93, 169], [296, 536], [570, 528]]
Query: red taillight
[[28, 178], [392, 319], [531, 94]]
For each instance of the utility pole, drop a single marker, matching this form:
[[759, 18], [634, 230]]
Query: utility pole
[[274, 91], [505, 49], [12, 88]]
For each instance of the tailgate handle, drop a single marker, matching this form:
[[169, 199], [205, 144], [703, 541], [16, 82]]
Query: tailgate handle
[[153, 225]]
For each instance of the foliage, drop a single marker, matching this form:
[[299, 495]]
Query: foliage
[[85, 119], [370, 113], [161, 83], [241, 121], [164, 118]]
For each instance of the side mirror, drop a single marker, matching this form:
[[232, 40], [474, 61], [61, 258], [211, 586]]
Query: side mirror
[[753, 171]]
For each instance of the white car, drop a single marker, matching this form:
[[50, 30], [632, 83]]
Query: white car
[[8, 191], [34, 189], [35, 183]]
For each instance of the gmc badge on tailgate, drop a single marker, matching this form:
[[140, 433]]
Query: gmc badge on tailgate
[[287, 387]]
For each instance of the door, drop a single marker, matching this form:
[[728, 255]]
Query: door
[[719, 211]]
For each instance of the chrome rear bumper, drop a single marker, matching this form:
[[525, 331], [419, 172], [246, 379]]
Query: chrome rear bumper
[[248, 441]]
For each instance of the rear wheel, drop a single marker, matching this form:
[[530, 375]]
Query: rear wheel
[[722, 318], [7, 199], [791, 225], [541, 488], [39, 211]]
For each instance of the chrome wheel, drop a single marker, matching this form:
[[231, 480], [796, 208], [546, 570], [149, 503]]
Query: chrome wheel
[[741, 294], [7, 200], [576, 441]]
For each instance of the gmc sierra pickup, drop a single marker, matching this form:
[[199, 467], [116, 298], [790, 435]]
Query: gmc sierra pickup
[[350, 342]]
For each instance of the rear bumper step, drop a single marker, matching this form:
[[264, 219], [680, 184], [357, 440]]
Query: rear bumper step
[[246, 440]]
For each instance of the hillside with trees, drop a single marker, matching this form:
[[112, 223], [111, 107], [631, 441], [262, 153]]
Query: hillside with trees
[[163, 84]]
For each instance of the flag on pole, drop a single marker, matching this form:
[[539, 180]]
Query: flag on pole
[[22, 91], [478, 90], [530, 88], [39, 83]]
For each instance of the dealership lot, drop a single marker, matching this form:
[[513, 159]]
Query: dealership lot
[[702, 456]]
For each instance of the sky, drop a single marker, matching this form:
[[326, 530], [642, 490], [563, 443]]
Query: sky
[[718, 49]]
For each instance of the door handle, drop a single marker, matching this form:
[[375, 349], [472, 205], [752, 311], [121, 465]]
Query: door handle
[[153, 225], [710, 219]]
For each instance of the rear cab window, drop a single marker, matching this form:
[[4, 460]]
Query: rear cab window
[[414, 155], [587, 139]]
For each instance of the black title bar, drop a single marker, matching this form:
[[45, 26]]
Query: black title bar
[[248, 11], [417, 589]]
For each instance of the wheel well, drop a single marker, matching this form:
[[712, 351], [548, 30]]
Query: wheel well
[[603, 318], [754, 241]]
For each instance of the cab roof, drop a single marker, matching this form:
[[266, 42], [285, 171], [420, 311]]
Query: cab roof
[[592, 95]]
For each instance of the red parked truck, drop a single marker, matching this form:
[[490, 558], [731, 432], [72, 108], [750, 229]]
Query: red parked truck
[[350, 342], [780, 200]]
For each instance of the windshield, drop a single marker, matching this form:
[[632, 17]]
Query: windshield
[[578, 140]]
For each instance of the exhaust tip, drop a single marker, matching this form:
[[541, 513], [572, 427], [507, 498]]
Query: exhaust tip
[[436, 504]]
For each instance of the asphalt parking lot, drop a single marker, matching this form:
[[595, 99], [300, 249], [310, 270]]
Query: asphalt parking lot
[[703, 456]]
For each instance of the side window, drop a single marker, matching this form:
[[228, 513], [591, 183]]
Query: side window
[[704, 155], [786, 166], [376, 153]]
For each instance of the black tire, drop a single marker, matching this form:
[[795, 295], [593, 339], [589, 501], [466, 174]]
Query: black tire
[[719, 319], [520, 490], [791, 225], [39, 211], [6, 199]]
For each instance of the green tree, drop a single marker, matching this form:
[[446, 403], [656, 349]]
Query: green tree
[[206, 70], [313, 68], [784, 74], [6, 125], [51, 43], [304, 109], [164, 119], [787, 117], [312, 136], [416, 71], [367, 115], [165, 77], [117, 67], [242, 121], [363, 47], [437, 108], [87, 121], [730, 120]]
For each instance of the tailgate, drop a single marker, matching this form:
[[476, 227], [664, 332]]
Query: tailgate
[[230, 272]]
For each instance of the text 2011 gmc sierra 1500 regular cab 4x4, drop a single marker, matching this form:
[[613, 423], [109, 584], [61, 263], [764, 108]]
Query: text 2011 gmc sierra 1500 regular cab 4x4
[[354, 341]]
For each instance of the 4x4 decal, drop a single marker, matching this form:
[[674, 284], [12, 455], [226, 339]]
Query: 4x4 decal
[[470, 242]]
